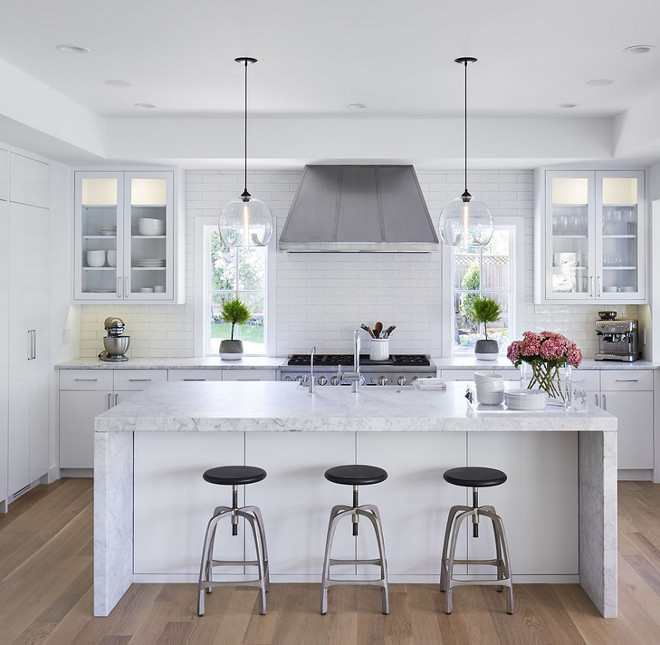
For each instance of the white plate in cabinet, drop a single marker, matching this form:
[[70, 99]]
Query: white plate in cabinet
[[249, 375], [194, 375], [138, 379]]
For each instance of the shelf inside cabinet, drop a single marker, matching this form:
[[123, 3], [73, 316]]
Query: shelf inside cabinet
[[620, 237], [99, 268], [626, 268], [148, 268], [148, 237], [570, 237]]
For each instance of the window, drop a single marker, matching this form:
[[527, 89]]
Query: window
[[486, 272], [233, 273]]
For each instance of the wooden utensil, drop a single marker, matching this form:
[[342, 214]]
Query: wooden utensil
[[378, 327], [367, 329], [388, 331]]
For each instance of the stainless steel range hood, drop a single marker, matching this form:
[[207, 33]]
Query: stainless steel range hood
[[359, 209]]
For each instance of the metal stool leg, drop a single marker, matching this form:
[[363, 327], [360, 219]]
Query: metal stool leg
[[452, 555], [336, 514], [261, 563], [453, 511], [374, 516], [262, 533], [207, 556]]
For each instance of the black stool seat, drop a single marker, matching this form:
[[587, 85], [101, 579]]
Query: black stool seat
[[475, 476], [356, 475], [234, 475]]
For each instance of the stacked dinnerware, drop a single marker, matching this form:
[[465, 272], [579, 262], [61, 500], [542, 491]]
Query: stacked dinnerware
[[490, 388], [526, 399]]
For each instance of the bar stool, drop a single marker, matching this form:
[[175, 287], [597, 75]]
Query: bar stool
[[474, 477], [234, 476], [355, 475]]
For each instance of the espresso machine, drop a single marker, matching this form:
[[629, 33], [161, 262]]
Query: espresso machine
[[115, 343], [617, 340]]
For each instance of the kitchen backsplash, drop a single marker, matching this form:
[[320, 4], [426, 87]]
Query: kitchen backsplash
[[321, 298]]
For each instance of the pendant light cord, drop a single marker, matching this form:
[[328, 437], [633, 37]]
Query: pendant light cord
[[465, 127], [245, 195]]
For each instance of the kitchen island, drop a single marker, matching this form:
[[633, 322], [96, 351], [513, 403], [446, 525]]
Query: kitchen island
[[151, 504]]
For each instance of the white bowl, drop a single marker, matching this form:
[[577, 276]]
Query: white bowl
[[147, 290], [112, 258], [96, 258], [490, 398], [492, 386], [151, 226]]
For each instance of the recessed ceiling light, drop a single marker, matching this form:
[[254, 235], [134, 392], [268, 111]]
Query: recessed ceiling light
[[598, 82], [568, 106], [146, 106], [357, 106], [72, 49], [639, 49], [118, 83]]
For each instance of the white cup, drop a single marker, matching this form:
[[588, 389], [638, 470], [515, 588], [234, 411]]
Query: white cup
[[146, 290], [112, 258], [96, 258], [380, 349], [159, 288]]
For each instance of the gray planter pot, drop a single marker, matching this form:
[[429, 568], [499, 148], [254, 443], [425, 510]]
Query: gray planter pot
[[486, 350], [231, 350]]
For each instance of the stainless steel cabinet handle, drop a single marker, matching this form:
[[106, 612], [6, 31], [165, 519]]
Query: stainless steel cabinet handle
[[627, 380], [109, 400], [139, 380], [591, 285], [116, 399], [596, 397], [126, 292], [33, 344], [598, 294], [194, 379], [86, 379], [604, 401], [119, 287]]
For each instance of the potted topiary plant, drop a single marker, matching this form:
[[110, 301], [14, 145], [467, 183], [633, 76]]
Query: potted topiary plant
[[236, 313], [486, 310]]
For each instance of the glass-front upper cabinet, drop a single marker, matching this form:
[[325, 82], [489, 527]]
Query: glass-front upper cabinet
[[124, 236], [593, 245]]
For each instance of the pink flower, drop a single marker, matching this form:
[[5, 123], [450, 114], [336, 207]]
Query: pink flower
[[547, 347]]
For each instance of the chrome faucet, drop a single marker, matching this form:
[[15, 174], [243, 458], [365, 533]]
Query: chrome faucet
[[354, 376], [312, 386]]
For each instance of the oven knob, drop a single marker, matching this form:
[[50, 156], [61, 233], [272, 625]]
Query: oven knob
[[322, 380], [401, 380], [413, 379], [300, 379], [286, 378], [382, 380], [334, 380]]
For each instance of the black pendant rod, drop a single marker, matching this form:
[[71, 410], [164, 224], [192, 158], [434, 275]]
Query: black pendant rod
[[245, 61], [465, 61]]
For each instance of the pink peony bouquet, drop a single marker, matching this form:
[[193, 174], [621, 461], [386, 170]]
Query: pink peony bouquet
[[546, 352]]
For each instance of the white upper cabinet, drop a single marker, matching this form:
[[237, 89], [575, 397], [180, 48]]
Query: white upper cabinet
[[29, 181], [591, 238], [125, 237]]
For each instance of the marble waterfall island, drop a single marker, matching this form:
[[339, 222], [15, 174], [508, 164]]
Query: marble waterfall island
[[151, 505]]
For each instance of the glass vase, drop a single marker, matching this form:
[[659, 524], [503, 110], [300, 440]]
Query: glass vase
[[555, 380]]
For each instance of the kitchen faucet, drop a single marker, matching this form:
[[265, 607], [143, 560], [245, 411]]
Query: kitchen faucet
[[355, 375]]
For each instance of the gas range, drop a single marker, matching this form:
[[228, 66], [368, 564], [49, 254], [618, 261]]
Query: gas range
[[398, 369]]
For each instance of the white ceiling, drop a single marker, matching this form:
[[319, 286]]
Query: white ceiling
[[317, 58]]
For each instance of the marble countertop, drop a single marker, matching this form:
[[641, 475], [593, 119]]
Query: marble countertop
[[503, 363], [199, 363], [286, 407]]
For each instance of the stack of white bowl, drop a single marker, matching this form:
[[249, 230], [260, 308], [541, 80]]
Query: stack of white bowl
[[490, 388]]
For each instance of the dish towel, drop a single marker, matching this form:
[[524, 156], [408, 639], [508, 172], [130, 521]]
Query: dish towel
[[431, 383]]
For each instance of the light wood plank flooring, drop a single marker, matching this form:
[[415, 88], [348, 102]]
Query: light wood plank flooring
[[46, 594]]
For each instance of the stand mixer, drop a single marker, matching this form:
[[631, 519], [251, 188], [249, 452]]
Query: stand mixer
[[115, 343]]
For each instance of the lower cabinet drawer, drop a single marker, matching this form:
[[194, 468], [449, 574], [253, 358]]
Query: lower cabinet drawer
[[194, 375], [618, 380], [138, 379], [86, 380], [249, 375]]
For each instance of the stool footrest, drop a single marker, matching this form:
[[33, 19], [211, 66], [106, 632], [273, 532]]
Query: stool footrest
[[376, 561], [381, 582], [241, 563], [494, 563]]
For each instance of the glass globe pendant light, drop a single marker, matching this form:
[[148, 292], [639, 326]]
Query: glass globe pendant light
[[465, 221], [245, 221]]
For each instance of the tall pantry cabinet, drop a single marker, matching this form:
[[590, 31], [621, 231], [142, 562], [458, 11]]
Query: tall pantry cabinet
[[24, 313], [4, 318]]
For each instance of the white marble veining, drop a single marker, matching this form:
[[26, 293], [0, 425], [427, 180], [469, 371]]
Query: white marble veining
[[286, 407]]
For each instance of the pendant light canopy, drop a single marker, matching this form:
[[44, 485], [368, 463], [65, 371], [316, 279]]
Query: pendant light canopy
[[465, 221], [245, 221]]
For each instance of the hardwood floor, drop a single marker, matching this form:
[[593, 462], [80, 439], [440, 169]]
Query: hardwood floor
[[46, 594]]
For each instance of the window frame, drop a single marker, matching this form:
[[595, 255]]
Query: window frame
[[517, 269], [204, 226]]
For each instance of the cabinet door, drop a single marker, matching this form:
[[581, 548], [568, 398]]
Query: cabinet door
[[620, 251], [634, 413], [4, 317], [149, 236], [195, 375], [98, 228], [29, 181], [249, 375], [77, 412], [569, 236]]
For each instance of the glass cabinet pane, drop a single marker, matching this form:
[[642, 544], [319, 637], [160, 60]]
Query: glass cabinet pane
[[148, 222], [620, 235], [569, 236], [99, 219]]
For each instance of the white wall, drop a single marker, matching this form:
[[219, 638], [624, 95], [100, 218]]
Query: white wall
[[322, 298]]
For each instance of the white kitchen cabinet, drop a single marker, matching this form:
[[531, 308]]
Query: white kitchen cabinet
[[220, 374], [4, 318], [629, 397], [29, 181], [4, 175], [28, 352], [136, 264], [84, 394], [590, 238], [249, 374], [194, 375]]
